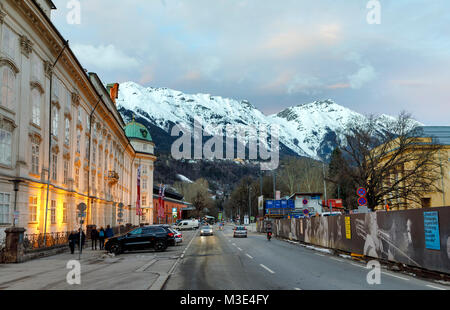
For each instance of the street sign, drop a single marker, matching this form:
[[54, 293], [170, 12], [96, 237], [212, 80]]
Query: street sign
[[362, 201], [305, 201], [306, 212], [120, 215], [361, 192]]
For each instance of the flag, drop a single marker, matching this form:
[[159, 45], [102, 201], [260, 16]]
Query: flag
[[138, 198], [159, 200], [162, 202]]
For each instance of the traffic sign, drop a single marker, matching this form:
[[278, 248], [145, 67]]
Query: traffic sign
[[305, 201], [82, 207], [361, 192], [120, 215], [362, 201], [306, 212]]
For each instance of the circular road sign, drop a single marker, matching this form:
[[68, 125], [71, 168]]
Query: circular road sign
[[305, 201], [361, 192], [120, 214], [120, 206], [362, 201], [306, 212], [81, 207]]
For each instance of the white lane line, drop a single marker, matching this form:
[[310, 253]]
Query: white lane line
[[395, 276], [239, 249], [234, 244], [337, 259], [267, 268], [249, 256], [319, 254], [358, 265], [437, 288], [297, 289]]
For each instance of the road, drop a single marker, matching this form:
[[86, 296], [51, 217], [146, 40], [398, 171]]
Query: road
[[221, 262]]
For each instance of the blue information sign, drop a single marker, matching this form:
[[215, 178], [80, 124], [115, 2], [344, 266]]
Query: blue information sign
[[291, 204], [284, 204], [269, 204], [277, 204], [431, 228]]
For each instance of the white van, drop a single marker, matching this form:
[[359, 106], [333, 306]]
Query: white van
[[187, 225]]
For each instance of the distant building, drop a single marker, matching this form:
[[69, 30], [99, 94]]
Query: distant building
[[310, 201], [429, 135], [174, 204]]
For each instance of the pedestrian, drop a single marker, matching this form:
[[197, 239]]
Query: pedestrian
[[83, 239], [72, 240], [94, 238], [101, 238], [109, 232]]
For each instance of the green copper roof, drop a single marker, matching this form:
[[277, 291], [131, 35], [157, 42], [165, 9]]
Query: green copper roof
[[135, 130]]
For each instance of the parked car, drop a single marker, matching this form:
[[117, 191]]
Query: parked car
[[206, 230], [178, 236], [141, 238], [240, 231], [187, 225], [170, 234]]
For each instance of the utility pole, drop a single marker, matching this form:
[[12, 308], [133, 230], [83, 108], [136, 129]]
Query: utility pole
[[274, 183], [324, 182]]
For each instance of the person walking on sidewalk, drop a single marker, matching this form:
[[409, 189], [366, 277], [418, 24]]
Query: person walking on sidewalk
[[94, 238], [72, 240], [101, 238]]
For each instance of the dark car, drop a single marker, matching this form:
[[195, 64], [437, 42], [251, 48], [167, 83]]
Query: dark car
[[170, 234], [141, 238]]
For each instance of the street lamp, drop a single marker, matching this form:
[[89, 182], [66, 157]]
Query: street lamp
[[16, 189]]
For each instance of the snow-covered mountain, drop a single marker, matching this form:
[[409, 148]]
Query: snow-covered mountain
[[305, 130]]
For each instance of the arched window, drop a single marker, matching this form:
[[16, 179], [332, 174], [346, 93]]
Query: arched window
[[36, 106], [8, 90], [67, 132]]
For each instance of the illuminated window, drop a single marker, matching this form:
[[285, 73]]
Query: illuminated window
[[64, 219], [53, 212], [144, 200], [5, 199], [66, 172], [32, 207]]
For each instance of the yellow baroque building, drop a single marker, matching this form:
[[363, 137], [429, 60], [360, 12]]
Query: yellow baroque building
[[61, 133]]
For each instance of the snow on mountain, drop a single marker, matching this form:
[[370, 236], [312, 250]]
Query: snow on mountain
[[306, 130]]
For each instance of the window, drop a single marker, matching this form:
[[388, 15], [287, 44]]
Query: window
[[64, 214], [137, 231], [78, 140], [8, 89], [37, 68], [54, 167], [144, 169], [53, 212], [79, 115], [55, 119], [144, 200], [4, 208], [5, 147], [86, 180], [36, 106], [67, 132], [144, 184], [77, 177], [10, 42], [32, 209], [94, 153], [66, 172], [55, 87], [35, 156], [86, 141], [88, 122]]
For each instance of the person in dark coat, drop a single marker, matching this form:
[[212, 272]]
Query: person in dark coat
[[94, 238], [72, 240], [101, 238], [109, 232], [83, 239]]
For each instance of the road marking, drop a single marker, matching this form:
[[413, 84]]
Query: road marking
[[267, 268], [234, 244], [393, 275], [337, 259], [437, 288], [319, 254], [249, 256], [358, 265], [176, 262], [297, 289], [239, 249]]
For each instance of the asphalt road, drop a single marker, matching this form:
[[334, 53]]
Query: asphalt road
[[221, 262]]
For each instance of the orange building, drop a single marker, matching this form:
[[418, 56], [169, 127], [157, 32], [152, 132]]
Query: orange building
[[173, 206]]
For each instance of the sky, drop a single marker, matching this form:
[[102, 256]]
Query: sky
[[275, 54]]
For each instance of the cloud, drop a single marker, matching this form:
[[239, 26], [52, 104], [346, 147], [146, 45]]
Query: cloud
[[105, 57], [362, 77], [304, 84]]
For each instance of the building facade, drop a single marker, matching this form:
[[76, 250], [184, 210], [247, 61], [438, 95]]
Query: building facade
[[62, 140]]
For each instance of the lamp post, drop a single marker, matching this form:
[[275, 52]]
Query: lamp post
[[16, 189]]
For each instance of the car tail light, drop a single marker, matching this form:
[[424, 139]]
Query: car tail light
[[170, 234]]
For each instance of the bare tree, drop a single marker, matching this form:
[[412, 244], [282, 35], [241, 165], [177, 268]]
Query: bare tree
[[391, 160]]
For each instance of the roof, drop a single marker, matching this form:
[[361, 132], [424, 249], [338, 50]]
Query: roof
[[135, 130], [439, 134], [305, 194]]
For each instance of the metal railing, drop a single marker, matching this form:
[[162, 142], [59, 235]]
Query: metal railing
[[36, 241]]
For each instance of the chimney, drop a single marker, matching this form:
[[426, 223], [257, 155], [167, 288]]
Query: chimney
[[113, 91]]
